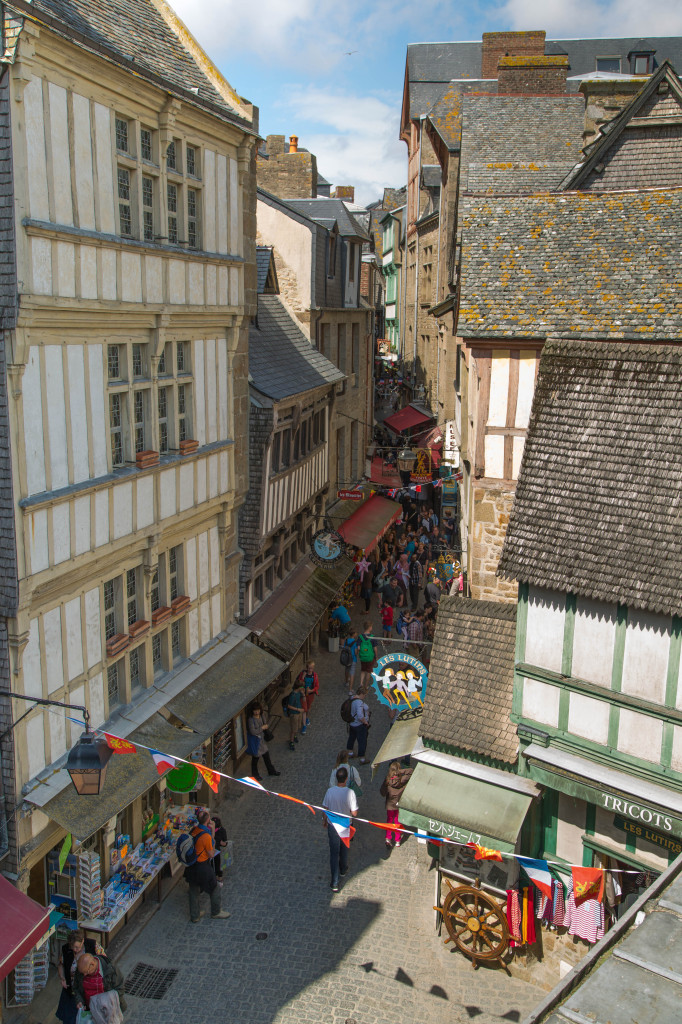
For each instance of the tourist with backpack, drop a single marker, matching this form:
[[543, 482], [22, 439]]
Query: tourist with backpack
[[311, 688], [349, 656], [199, 870], [294, 711], [367, 653], [358, 727]]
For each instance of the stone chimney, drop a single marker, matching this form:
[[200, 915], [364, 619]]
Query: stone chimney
[[344, 192], [287, 172], [508, 44], [274, 145], [542, 75]]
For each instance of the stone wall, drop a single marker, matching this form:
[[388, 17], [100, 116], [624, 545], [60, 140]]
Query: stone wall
[[604, 100], [284, 174], [491, 507]]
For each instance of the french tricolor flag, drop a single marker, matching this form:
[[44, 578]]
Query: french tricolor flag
[[163, 762], [538, 872], [249, 780], [342, 825]]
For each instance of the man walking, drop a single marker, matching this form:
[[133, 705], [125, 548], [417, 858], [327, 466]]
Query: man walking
[[415, 634], [200, 875], [359, 726], [416, 577], [342, 804]]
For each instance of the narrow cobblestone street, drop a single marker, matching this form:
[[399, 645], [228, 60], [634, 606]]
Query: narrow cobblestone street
[[369, 954]]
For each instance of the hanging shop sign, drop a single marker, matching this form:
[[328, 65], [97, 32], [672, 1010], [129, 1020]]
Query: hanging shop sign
[[327, 547], [400, 681], [350, 495], [635, 828], [422, 472], [450, 451]]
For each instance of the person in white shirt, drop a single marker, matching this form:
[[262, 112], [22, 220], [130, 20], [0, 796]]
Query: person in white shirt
[[340, 800]]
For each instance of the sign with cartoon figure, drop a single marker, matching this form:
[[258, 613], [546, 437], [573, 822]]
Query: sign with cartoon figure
[[400, 681], [327, 547]]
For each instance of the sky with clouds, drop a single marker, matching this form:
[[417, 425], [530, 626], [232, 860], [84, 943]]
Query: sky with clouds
[[332, 73]]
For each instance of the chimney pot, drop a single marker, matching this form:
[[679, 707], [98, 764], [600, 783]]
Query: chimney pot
[[293, 144]]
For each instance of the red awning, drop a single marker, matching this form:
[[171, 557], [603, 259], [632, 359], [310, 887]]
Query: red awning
[[432, 437], [388, 476], [366, 527], [24, 924], [405, 419]]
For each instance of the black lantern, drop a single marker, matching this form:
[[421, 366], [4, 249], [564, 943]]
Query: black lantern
[[87, 761], [87, 764], [406, 460]]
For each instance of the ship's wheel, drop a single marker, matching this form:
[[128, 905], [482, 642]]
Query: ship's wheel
[[475, 922]]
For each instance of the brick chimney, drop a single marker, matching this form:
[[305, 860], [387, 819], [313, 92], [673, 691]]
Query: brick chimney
[[543, 75], [293, 144], [344, 192], [508, 44]]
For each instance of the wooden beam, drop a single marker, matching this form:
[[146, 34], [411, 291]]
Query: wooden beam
[[483, 367], [512, 400]]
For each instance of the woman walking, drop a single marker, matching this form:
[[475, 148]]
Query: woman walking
[[256, 742], [354, 780], [392, 789]]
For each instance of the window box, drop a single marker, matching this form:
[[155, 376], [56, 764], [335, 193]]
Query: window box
[[138, 628], [116, 644], [180, 604], [160, 615], [147, 458], [188, 446]]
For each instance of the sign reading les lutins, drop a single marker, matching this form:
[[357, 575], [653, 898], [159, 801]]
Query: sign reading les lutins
[[634, 828]]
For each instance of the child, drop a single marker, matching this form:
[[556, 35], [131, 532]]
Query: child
[[311, 688], [387, 619]]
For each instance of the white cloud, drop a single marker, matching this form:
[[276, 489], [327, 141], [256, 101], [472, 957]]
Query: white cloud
[[593, 18], [355, 138]]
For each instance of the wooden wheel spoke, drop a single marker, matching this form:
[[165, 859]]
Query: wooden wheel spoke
[[474, 923]]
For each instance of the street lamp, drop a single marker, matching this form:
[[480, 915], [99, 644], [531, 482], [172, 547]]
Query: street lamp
[[406, 460], [87, 760]]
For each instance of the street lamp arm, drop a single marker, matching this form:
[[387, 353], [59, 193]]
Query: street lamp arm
[[43, 701]]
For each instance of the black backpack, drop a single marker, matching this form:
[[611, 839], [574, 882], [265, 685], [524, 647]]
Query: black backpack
[[347, 709], [285, 705], [346, 657]]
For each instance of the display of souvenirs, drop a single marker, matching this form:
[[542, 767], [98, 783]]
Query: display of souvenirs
[[30, 974], [89, 884]]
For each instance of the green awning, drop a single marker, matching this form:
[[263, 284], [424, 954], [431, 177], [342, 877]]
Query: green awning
[[203, 707], [401, 739], [462, 808]]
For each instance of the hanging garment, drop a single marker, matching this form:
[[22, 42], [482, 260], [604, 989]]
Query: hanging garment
[[558, 905], [528, 924], [585, 921], [514, 917]]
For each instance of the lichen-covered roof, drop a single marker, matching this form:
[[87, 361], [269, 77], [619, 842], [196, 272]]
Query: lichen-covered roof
[[445, 113], [325, 210], [136, 31], [598, 505], [471, 679], [282, 362], [582, 264]]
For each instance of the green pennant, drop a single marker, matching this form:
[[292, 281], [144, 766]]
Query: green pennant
[[64, 852]]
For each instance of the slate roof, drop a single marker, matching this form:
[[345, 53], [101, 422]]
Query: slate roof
[[282, 362], [263, 257], [519, 143], [431, 66], [445, 113], [326, 210], [135, 31], [597, 264], [631, 156], [471, 678], [598, 503]]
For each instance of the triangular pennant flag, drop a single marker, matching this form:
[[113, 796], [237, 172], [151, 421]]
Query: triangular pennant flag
[[538, 872], [342, 825], [294, 800], [211, 777], [588, 884], [64, 852], [118, 745], [484, 852], [249, 780], [163, 762]]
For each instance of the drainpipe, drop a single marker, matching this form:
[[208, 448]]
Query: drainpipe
[[416, 256]]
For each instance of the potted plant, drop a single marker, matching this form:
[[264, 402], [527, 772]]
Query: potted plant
[[333, 627]]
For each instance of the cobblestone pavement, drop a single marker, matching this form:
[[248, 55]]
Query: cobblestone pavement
[[369, 954]]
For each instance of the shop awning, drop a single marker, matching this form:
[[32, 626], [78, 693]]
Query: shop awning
[[299, 607], [401, 739], [24, 923], [459, 807], [380, 473], [203, 707], [366, 527], [405, 419]]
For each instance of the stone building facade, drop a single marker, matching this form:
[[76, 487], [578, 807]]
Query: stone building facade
[[127, 356], [285, 170]]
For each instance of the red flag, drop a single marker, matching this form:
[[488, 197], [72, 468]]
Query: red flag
[[294, 800], [118, 745], [588, 884], [211, 777], [484, 852]]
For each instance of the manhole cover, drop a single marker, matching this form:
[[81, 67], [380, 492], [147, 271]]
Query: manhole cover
[[149, 982], [262, 935]]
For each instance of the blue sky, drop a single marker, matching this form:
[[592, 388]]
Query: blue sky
[[290, 58]]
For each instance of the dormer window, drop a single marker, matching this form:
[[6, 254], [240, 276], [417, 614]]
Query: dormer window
[[642, 63], [608, 64]]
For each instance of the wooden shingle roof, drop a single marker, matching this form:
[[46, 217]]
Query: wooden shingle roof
[[471, 678], [580, 264], [598, 506]]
